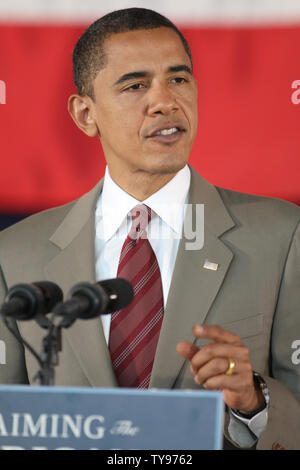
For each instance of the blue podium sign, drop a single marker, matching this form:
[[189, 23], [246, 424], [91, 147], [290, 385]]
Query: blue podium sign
[[85, 418]]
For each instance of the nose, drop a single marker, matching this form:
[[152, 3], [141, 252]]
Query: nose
[[161, 100]]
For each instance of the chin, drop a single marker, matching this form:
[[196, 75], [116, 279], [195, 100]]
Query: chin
[[167, 167]]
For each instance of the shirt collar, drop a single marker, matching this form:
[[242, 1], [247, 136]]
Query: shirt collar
[[168, 203]]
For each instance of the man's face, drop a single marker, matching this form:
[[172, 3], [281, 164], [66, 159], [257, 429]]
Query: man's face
[[146, 102]]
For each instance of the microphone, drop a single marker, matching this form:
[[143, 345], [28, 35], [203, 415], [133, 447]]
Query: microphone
[[26, 301], [90, 300]]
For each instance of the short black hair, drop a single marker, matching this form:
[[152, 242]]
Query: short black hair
[[89, 55]]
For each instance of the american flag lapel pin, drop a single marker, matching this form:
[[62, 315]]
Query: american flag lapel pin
[[209, 265]]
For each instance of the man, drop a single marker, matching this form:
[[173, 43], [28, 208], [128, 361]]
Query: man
[[229, 308]]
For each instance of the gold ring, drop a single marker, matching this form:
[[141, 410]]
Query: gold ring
[[231, 366]]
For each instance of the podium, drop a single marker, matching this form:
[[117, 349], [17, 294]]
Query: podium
[[42, 418]]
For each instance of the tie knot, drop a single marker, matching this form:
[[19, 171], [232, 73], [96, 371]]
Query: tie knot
[[141, 216]]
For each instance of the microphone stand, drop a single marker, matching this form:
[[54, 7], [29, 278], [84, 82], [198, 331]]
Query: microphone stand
[[51, 346]]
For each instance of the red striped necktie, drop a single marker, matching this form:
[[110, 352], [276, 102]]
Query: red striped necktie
[[134, 331]]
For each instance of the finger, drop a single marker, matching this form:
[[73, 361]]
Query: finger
[[215, 333], [187, 350], [238, 353], [235, 383], [216, 366]]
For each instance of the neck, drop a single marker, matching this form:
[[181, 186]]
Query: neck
[[141, 184]]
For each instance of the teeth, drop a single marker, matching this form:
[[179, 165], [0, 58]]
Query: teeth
[[167, 131]]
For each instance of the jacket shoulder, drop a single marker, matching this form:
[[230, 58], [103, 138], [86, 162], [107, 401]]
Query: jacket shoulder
[[262, 208], [35, 227]]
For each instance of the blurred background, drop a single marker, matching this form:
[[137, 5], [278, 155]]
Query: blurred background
[[247, 64]]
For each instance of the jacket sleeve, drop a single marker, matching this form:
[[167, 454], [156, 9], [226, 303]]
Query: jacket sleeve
[[283, 428], [283, 425]]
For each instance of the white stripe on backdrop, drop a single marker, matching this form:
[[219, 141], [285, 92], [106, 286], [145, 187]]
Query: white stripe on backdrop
[[190, 11]]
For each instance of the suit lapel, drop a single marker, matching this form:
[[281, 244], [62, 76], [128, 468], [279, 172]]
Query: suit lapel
[[193, 288], [76, 263]]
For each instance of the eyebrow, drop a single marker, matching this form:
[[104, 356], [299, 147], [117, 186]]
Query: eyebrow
[[144, 73]]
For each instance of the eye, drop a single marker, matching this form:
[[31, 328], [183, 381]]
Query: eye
[[135, 86], [179, 80]]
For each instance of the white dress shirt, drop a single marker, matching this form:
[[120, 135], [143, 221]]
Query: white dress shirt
[[164, 233]]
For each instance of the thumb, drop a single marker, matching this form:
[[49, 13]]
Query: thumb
[[186, 350]]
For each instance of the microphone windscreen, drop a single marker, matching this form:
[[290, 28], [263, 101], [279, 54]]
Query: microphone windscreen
[[51, 293], [120, 292]]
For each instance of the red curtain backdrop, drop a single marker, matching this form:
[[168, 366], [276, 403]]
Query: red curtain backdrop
[[249, 127]]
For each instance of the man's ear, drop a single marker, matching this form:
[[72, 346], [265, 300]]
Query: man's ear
[[81, 110]]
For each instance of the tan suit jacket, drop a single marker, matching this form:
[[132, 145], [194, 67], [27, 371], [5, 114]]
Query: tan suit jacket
[[255, 293]]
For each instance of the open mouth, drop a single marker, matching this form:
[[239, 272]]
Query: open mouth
[[166, 135]]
